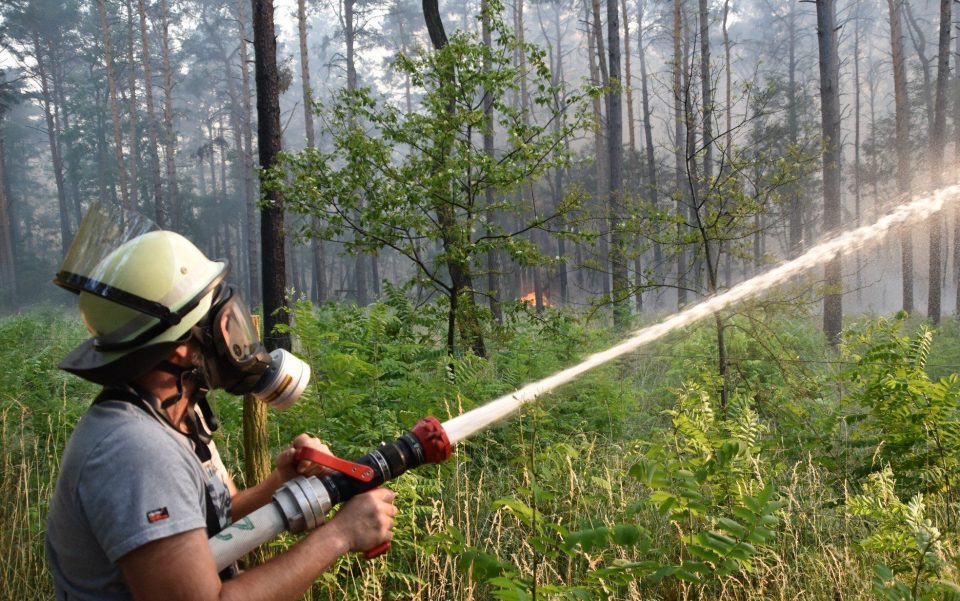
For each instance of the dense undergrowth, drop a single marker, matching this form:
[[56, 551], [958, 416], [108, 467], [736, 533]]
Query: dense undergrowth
[[827, 475]]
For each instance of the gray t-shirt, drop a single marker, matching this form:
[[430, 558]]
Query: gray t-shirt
[[125, 480]]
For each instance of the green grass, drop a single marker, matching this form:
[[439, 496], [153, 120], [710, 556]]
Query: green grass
[[497, 520]]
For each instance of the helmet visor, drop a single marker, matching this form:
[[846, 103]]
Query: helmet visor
[[103, 230]]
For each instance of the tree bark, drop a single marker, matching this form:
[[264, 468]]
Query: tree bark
[[350, 33], [793, 130], [170, 141], [937, 143], [706, 87], [8, 270], [651, 160], [493, 263], [53, 137], [678, 142], [275, 309], [160, 213], [830, 127], [114, 106], [618, 264], [902, 135], [249, 183], [132, 110]]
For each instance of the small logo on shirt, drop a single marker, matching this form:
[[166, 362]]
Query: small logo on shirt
[[155, 515]]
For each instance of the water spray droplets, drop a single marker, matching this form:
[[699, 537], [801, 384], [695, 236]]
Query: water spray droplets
[[918, 210]]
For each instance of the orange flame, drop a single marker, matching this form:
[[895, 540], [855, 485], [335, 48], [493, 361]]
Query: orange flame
[[531, 299]]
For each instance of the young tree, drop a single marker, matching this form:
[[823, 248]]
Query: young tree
[[429, 203], [114, 104], [170, 135], [160, 211]]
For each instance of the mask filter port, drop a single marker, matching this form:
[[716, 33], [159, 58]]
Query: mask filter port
[[284, 381]]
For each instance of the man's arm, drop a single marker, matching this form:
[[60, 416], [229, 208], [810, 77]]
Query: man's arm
[[246, 501], [182, 568]]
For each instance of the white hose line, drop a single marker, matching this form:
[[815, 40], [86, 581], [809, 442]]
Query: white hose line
[[246, 534]]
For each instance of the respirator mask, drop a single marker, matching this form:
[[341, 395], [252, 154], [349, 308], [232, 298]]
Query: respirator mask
[[234, 359]]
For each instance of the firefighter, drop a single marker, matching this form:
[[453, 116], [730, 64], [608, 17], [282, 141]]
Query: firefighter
[[141, 485]]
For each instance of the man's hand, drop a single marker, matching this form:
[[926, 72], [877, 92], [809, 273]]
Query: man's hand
[[365, 521], [286, 462]]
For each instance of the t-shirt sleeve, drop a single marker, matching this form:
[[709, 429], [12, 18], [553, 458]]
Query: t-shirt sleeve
[[139, 487]]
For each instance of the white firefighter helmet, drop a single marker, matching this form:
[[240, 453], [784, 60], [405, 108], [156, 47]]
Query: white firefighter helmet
[[141, 290]]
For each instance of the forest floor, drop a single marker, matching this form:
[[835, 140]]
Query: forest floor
[[828, 473]]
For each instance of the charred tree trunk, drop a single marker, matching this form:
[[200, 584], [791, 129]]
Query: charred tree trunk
[[830, 127], [275, 310]]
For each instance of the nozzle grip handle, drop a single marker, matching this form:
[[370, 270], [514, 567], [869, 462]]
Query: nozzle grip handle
[[376, 551]]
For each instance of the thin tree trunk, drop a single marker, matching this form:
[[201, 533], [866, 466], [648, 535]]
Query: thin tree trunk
[[793, 130], [170, 136], [919, 41], [350, 33], [678, 141], [114, 105], [8, 269], [706, 83], [250, 225], [275, 309], [830, 124], [648, 139], [902, 135], [937, 142], [133, 110], [160, 211], [618, 246], [857, 179], [53, 137], [493, 266]]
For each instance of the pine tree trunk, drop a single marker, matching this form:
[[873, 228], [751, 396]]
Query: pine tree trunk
[[114, 106], [133, 110], [618, 246], [937, 143], [160, 212], [706, 83], [317, 292], [8, 270], [53, 137], [651, 160], [902, 135], [170, 136], [272, 247], [250, 226], [678, 142], [857, 175], [493, 263], [793, 131], [831, 132]]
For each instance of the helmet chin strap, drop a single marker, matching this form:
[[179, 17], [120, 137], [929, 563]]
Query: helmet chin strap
[[197, 397]]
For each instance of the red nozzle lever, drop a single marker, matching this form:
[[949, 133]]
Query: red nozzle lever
[[347, 468], [377, 551]]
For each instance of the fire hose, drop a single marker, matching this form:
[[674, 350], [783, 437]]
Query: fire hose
[[302, 503]]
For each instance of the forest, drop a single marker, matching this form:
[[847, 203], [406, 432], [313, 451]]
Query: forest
[[435, 203]]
